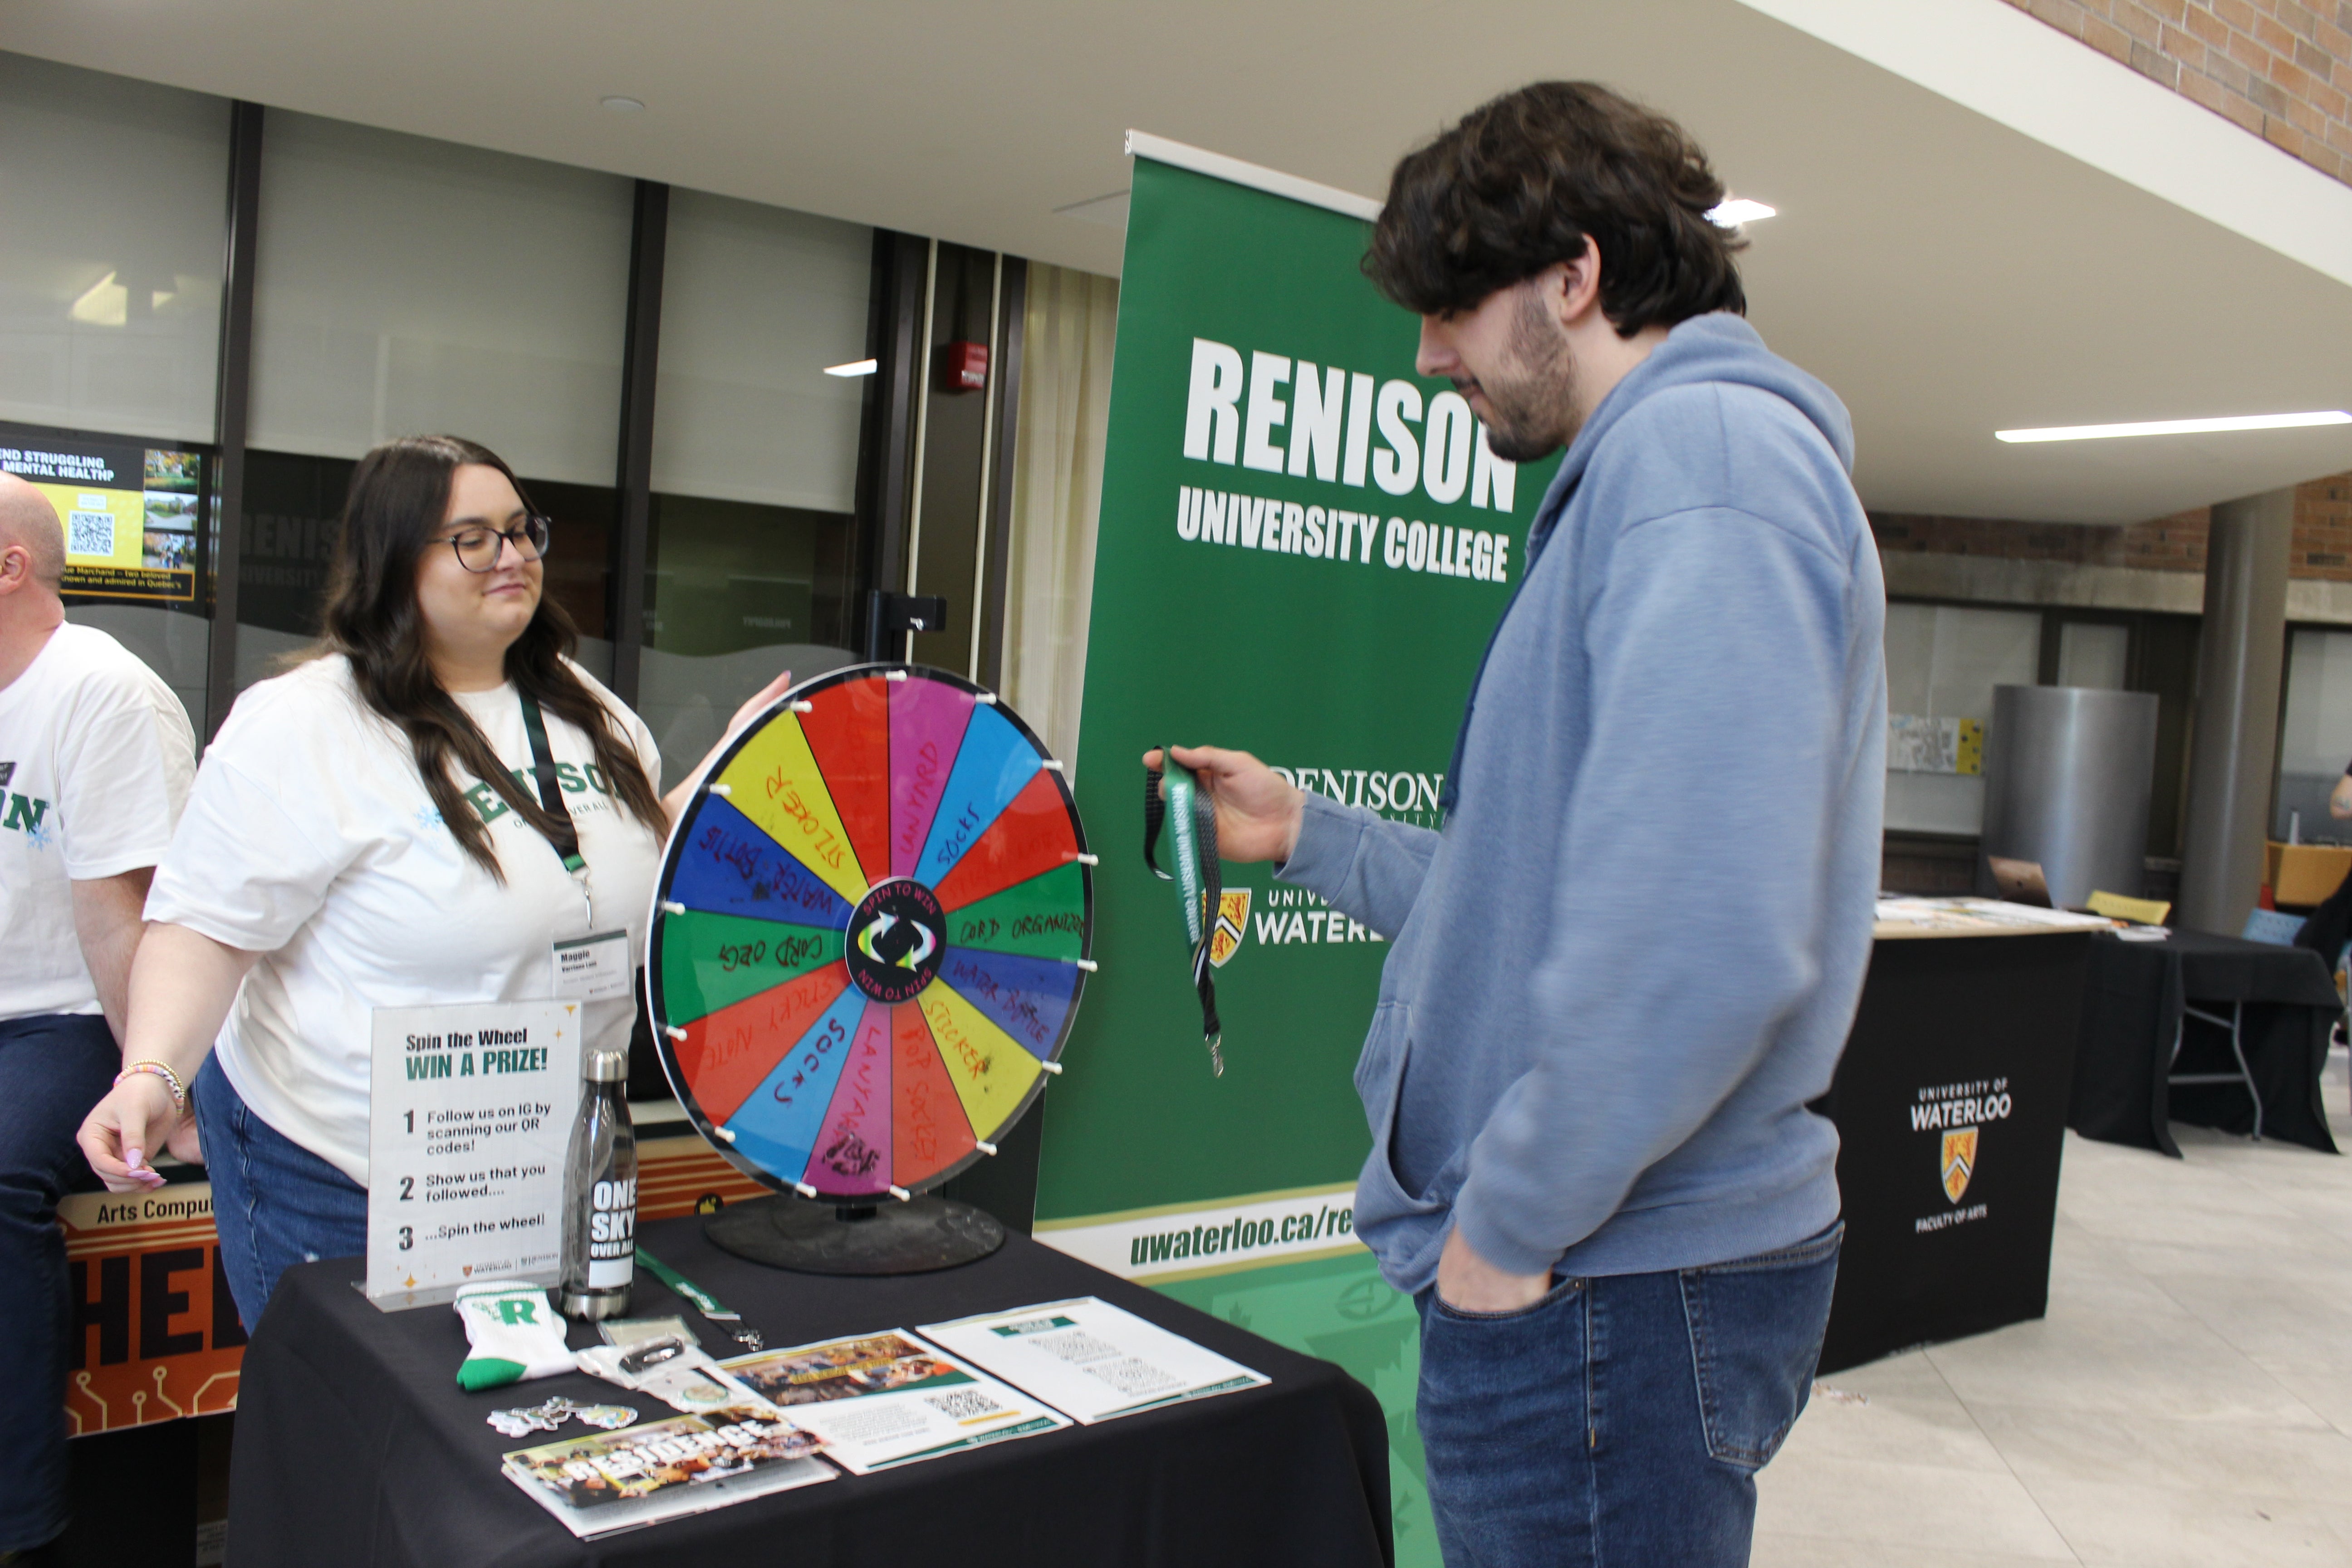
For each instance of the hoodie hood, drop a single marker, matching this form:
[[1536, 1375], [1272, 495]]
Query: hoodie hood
[[1717, 347]]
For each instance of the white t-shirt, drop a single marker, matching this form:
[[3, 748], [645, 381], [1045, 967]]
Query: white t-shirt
[[310, 839], [95, 758]]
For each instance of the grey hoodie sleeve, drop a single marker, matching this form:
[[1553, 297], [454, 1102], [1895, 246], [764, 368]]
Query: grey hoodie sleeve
[[1674, 963], [1361, 864]]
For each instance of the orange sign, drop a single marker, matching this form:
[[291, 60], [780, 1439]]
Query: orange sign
[[155, 1334]]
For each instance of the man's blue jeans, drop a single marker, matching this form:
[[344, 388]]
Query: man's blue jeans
[[1620, 1421], [53, 1067], [274, 1202]]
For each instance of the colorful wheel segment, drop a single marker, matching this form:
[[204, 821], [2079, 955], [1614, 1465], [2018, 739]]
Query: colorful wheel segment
[[870, 934]]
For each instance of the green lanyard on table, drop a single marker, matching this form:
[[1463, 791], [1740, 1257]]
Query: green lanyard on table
[[703, 1301], [565, 840], [1191, 813]]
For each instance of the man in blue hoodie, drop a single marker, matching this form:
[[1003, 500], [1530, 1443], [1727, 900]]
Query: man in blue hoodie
[[1616, 982]]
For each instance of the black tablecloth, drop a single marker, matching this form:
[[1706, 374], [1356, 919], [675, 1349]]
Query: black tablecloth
[[1984, 1027], [2133, 1009], [354, 1445]]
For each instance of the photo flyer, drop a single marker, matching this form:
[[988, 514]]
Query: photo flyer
[[1090, 1359], [880, 1400], [644, 1474]]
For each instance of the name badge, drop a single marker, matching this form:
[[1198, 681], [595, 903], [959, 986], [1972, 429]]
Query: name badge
[[594, 968]]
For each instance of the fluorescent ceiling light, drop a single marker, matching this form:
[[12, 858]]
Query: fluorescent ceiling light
[[855, 367], [1739, 210], [620, 105], [2177, 426]]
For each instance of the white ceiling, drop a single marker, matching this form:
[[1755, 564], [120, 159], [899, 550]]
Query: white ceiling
[[1946, 274]]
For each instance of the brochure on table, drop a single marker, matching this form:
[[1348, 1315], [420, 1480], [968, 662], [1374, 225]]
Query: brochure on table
[[880, 1400], [469, 1113], [664, 1469], [1090, 1359]]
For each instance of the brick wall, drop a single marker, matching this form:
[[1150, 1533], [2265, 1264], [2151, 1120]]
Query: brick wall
[[2322, 547], [2280, 69]]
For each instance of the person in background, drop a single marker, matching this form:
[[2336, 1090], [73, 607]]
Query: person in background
[[2339, 803], [368, 831], [1592, 1164], [95, 758]]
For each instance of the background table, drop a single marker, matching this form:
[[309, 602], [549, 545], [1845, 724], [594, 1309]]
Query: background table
[[1939, 1011], [354, 1445], [2133, 1012]]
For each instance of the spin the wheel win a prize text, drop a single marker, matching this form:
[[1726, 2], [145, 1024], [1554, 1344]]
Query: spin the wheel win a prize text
[[870, 934]]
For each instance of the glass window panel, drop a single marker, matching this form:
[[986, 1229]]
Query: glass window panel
[[2315, 735], [735, 594], [749, 560], [2092, 654], [114, 193], [756, 302], [1943, 661], [407, 286]]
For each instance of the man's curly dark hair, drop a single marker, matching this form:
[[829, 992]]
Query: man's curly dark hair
[[1520, 182]]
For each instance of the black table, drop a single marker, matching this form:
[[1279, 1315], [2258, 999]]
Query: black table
[[2140, 993], [354, 1445], [1962, 1043]]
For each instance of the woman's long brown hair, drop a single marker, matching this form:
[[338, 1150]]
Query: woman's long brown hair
[[399, 498]]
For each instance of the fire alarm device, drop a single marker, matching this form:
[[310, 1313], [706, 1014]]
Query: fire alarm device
[[967, 367]]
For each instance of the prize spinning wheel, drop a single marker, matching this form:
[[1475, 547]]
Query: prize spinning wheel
[[867, 946]]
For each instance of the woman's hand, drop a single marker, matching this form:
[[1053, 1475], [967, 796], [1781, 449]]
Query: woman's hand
[[1259, 812], [120, 1133], [675, 801], [2339, 804], [182, 986]]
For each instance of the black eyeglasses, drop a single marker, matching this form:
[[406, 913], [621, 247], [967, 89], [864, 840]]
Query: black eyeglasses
[[479, 547]]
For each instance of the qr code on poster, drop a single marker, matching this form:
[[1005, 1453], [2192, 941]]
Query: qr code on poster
[[90, 534], [963, 1404]]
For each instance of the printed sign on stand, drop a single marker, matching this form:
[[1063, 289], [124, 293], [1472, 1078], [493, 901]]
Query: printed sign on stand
[[471, 1111]]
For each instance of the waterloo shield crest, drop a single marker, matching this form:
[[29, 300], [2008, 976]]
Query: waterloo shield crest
[[1959, 1160], [1233, 926]]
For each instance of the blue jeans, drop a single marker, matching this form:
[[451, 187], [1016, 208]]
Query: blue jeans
[[1620, 1422], [53, 1067], [275, 1202]]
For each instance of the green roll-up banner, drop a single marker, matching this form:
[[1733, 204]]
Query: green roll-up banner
[[1303, 549]]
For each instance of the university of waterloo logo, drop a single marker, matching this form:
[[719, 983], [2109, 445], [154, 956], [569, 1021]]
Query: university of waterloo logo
[[1233, 926], [1959, 1160]]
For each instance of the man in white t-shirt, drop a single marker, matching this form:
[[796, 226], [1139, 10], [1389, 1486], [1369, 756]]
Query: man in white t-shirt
[[96, 756]]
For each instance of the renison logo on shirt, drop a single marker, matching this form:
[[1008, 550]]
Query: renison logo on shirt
[[23, 814]]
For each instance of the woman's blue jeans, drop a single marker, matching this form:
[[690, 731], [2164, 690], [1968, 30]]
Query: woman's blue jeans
[[275, 1202], [1620, 1421]]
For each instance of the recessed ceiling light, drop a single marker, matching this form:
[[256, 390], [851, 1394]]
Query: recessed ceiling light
[[1739, 210], [855, 367], [620, 105], [2177, 426]]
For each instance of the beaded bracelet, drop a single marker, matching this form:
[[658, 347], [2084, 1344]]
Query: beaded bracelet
[[163, 1072]]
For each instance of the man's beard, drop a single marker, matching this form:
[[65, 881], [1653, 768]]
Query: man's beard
[[1533, 414]]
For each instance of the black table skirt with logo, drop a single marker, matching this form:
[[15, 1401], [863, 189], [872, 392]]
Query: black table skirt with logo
[[2138, 998], [354, 1445], [1950, 1104]]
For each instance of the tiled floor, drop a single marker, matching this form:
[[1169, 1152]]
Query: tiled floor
[[2187, 1400]]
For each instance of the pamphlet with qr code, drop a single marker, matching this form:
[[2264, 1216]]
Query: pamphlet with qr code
[[1090, 1359], [881, 1400]]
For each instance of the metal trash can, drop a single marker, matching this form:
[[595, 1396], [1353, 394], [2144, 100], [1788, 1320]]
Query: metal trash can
[[2067, 774]]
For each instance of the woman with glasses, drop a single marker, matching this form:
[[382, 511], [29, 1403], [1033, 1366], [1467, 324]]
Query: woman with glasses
[[414, 816]]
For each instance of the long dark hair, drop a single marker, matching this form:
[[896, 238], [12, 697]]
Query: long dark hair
[[399, 497]]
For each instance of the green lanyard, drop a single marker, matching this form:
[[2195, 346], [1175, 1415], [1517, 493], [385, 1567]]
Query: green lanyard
[[703, 1301], [1192, 813], [565, 840]]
